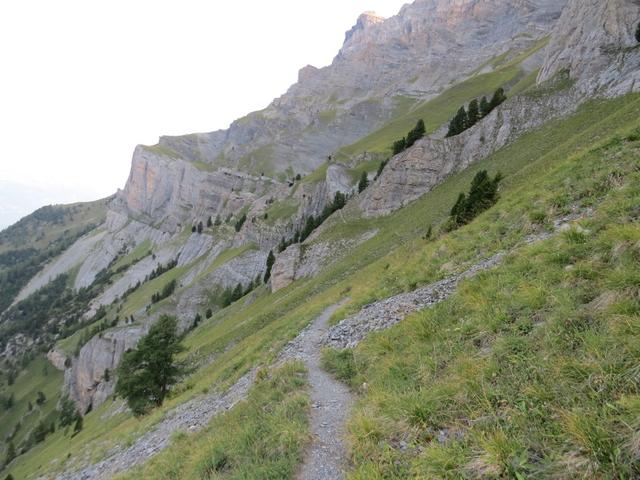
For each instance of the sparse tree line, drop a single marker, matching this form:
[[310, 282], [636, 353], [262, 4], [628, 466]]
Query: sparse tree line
[[412, 137], [477, 110]]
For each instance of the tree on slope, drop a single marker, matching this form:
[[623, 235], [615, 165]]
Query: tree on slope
[[147, 372], [271, 259], [638, 33], [363, 183]]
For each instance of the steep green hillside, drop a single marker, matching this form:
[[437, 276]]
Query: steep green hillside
[[28, 245], [577, 162]]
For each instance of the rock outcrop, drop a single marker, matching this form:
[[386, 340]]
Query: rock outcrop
[[419, 169], [595, 41], [86, 380]]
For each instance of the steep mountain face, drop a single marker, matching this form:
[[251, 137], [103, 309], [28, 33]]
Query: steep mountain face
[[596, 42]]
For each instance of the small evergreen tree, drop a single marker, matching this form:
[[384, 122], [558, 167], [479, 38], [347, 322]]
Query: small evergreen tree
[[217, 221], [40, 398], [309, 227], [485, 108], [237, 293], [208, 314], [106, 375], [196, 320], [498, 98], [271, 259], [146, 373], [67, 411], [399, 146], [200, 227], [381, 168], [339, 201], [209, 222], [416, 134], [193, 229], [240, 222], [474, 113], [483, 194], [363, 183], [40, 432], [638, 33], [458, 124]]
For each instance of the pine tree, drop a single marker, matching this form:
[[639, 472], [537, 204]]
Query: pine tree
[[217, 221], [67, 411], [309, 227], [498, 98], [416, 134], [200, 227], [485, 108], [240, 222], [193, 229], [339, 201], [363, 183], [146, 373], [474, 113], [208, 314], [399, 146], [638, 33], [381, 168], [209, 222], [40, 398], [458, 124], [271, 259]]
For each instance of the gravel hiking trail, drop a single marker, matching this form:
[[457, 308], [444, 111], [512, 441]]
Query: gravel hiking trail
[[325, 457]]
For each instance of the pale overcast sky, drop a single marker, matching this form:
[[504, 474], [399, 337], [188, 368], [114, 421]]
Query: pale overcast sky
[[83, 81]]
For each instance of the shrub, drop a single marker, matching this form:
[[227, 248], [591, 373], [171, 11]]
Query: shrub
[[483, 194]]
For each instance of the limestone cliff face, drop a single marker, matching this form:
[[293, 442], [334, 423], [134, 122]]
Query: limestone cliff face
[[416, 171], [85, 380], [595, 41]]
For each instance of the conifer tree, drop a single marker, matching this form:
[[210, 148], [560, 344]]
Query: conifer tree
[[209, 222], [498, 98], [240, 222], [77, 427], [208, 313], [474, 113], [271, 259], [485, 108], [363, 183], [147, 372], [399, 146], [638, 33], [381, 168], [200, 227], [217, 221], [416, 134]]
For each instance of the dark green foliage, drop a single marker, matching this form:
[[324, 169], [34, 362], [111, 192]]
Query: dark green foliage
[[200, 227], [399, 146], [485, 108], [363, 183], [8, 477], [240, 222], [308, 228], [160, 269], [193, 229], [638, 33], [465, 119], [146, 373], [88, 334], [412, 137], [40, 398], [458, 124], [416, 134], [106, 375], [473, 115], [6, 402], [498, 98], [209, 222], [381, 168], [217, 221], [270, 261], [483, 194], [40, 432], [208, 314], [166, 292], [67, 412]]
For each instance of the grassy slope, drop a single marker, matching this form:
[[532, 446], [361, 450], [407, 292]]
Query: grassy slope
[[530, 371], [393, 261], [39, 375]]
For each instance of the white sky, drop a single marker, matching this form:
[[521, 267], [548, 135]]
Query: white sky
[[83, 81]]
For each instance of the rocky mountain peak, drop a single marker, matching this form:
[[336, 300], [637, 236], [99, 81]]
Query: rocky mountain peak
[[365, 20]]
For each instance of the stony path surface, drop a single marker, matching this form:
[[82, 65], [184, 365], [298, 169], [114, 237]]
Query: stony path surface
[[190, 416], [325, 458]]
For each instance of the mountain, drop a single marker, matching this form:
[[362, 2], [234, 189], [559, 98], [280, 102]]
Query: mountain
[[506, 337]]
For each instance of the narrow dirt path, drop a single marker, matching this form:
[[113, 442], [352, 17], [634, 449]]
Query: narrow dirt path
[[325, 458]]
